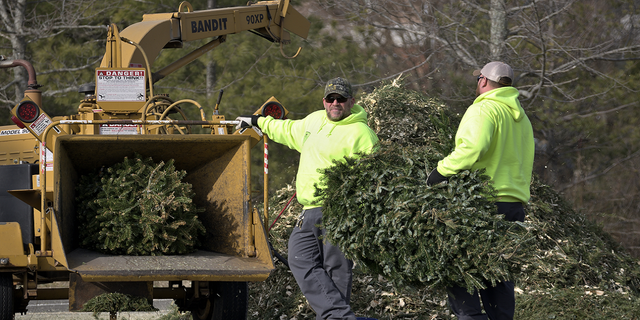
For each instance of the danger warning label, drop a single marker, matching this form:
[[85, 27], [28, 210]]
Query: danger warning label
[[120, 85], [119, 129]]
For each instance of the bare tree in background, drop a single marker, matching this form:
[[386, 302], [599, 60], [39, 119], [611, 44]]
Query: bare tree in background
[[66, 31], [542, 39], [577, 70]]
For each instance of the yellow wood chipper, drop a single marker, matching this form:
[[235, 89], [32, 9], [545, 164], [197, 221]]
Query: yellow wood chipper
[[43, 157]]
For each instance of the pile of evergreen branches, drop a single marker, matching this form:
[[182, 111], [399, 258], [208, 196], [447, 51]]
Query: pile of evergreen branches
[[410, 118], [379, 210], [573, 250], [137, 207], [115, 302], [573, 269]]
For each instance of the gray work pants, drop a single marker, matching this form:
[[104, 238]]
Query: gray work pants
[[320, 269]]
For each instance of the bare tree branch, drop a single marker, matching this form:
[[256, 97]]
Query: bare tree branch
[[91, 64], [598, 113], [601, 173]]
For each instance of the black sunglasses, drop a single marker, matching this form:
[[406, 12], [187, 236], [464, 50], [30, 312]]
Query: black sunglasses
[[479, 77], [331, 99]]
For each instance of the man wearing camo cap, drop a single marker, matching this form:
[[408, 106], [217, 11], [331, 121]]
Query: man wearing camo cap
[[494, 134], [340, 130]]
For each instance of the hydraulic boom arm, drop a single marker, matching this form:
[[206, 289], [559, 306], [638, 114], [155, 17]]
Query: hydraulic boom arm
[[145, 39]]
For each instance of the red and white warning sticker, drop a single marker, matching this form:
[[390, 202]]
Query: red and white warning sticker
[[40, 124]]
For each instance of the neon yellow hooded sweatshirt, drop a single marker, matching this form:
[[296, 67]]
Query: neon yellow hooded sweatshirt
[[320, 141], [496, 134]]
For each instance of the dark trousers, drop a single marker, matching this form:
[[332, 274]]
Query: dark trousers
[[320, 269], [499, 302]]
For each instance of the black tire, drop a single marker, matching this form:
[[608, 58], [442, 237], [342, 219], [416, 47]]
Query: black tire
[[226, 301], [6, 296]]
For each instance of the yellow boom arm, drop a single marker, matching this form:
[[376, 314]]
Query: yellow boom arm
[[155, 32]]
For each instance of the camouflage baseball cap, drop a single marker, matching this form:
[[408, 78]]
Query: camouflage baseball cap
[[340, 86]]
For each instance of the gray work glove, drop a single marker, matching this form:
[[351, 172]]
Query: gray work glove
[[247, 121]]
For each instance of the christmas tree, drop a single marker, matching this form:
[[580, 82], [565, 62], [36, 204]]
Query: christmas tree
[[137, 207]]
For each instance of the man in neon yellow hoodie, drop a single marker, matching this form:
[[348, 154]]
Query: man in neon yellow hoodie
[[495, 134], [340, 130]]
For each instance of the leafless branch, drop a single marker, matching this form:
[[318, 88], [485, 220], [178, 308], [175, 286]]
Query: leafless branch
[[543, 64], [78, 68], [395, 75], [557, 12], [598, 113], [601, 173], [51, 93]]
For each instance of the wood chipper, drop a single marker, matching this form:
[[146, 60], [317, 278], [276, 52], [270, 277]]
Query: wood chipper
[[42, 158]]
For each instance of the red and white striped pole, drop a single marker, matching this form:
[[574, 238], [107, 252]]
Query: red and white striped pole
[[266, 181]]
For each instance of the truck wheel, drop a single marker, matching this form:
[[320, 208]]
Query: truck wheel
[[6, 296], [227, 301]]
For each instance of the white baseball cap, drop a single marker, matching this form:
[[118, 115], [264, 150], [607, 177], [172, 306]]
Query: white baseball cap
[[497, 71]]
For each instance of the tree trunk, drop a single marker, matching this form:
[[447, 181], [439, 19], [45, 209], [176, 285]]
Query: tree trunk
[[18, 42], [19, 74], [498, 16]]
